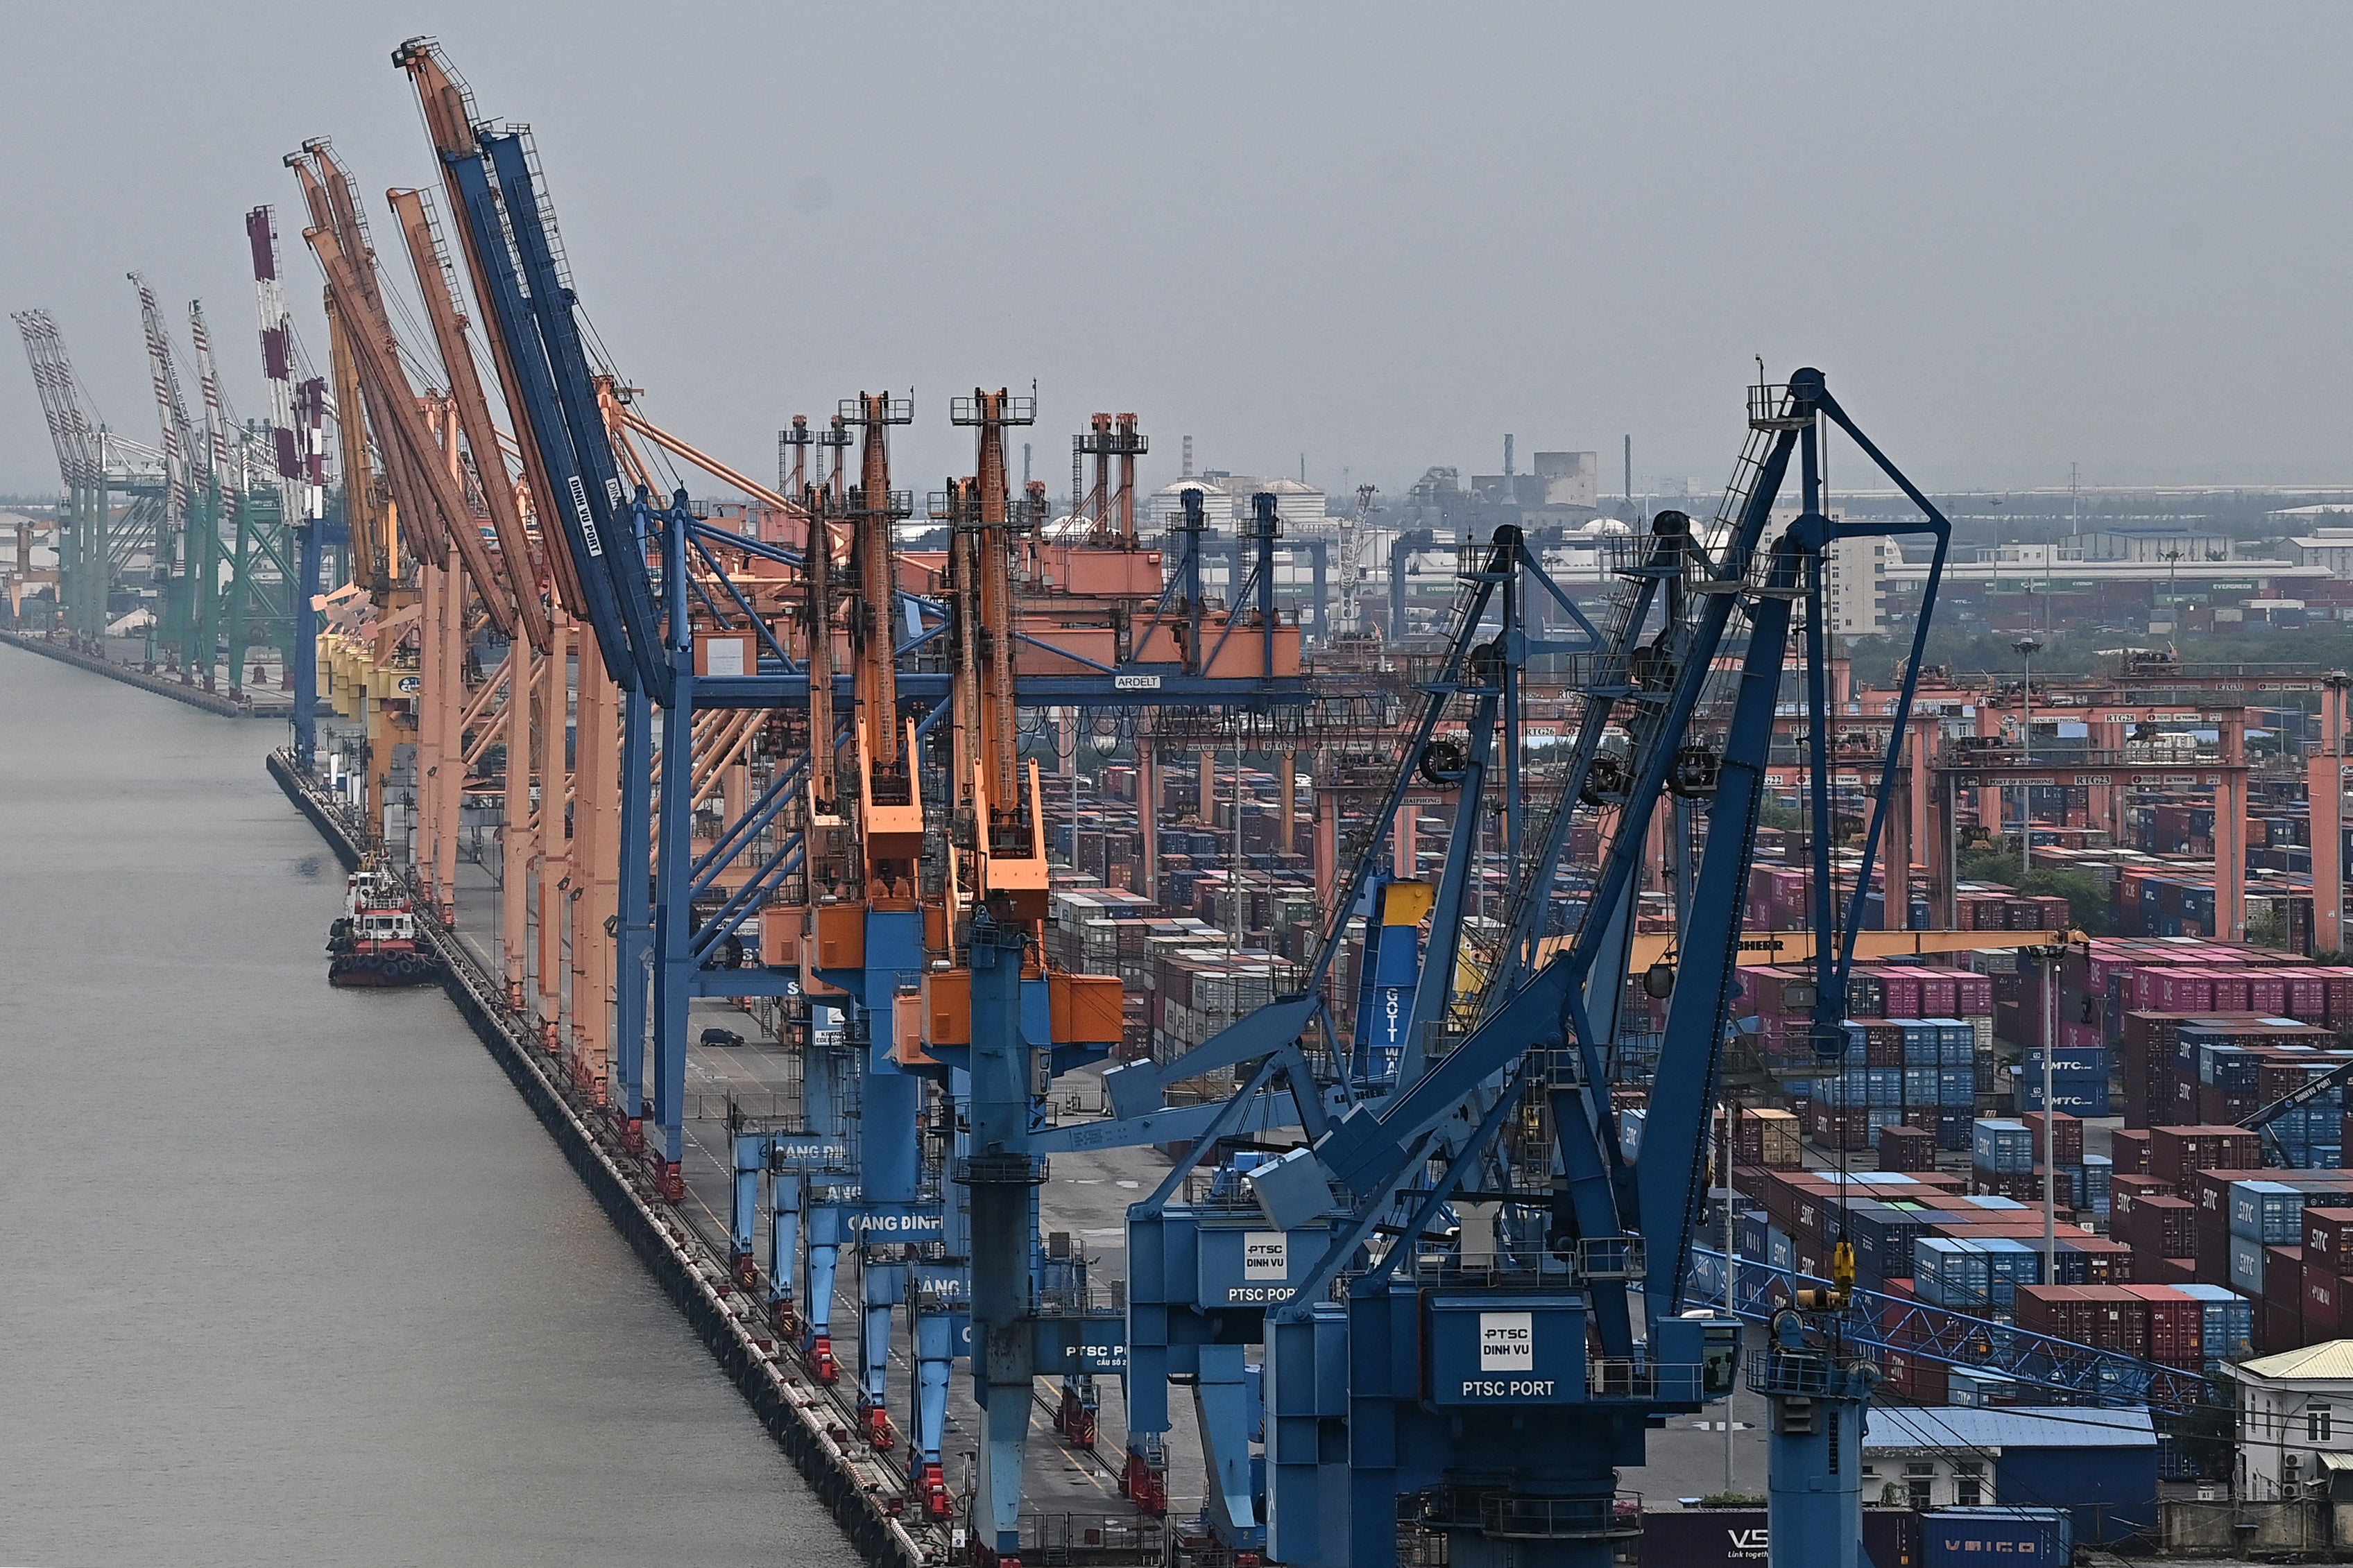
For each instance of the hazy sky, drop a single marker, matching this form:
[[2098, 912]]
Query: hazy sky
[[2015, 236]]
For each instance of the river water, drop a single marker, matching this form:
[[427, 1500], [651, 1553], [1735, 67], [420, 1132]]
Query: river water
[[291, 1275]]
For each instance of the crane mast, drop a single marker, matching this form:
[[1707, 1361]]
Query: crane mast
[[891, 816], [998, 808]]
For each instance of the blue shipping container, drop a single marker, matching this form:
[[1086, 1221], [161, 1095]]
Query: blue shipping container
[[2246, 1265], [2079, 1097], [2005, 1146], [1972, 1537]]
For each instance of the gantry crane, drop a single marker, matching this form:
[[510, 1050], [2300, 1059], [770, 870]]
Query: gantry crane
[[87, 543], [179, 551]]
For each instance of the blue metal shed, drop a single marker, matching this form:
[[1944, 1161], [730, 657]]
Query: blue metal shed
[[2098, 1465]]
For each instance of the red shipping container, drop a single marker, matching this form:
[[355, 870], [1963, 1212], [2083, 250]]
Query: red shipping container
[[2232, 994], [2066, 1145], [1903, 995], [2328, 1238], [2284, 1278], [2105, 1261], [2167, 1228], [2307, 995], [1907, 1149], [2129, 1150], [1938, 998], [2183, 991], [2063, 1311], [2124, 1192], [2175, 1151], [2326, 1307], [2151, 1269], [1922, 1380], [1973, 995], [2278, 1328], [2177, 1326], [2266, 993], [2213, 1254]]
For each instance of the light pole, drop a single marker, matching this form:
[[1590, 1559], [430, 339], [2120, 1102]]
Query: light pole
[[2050, 956], [2026, 647]]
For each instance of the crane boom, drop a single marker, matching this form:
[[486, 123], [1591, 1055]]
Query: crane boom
[[519, 577], [444, 516], [216, 417], [71, 430], [170, 409], [449, 119]]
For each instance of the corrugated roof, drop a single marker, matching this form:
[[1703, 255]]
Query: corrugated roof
[[2011, 1427], [2328, 1359]]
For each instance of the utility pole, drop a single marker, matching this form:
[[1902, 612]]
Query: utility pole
[[2051, 956], [1730, 1264], [2026, 647]]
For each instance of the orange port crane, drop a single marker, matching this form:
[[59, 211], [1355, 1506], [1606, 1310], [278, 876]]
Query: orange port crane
[[999, 822]]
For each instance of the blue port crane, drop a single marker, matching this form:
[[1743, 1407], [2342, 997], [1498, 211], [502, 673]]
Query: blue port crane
[[1485, 1324]]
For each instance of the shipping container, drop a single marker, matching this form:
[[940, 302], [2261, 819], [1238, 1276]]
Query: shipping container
[[1972, 1537]]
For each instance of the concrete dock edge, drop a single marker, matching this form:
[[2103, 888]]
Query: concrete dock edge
[[194, 695]]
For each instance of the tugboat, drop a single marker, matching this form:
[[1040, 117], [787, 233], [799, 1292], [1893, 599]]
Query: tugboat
[[374, 942]]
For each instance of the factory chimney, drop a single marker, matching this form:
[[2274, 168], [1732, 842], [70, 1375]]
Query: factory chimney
[[1188, 457], [1508, 456]]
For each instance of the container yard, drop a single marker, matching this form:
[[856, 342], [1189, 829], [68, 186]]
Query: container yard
[[1210, 1021]]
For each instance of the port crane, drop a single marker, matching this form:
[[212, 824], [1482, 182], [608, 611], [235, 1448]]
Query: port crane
[[1453, 1372], [96, 466], [662, 589]]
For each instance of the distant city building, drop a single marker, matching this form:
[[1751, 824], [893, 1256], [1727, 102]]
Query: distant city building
[[2327, 547], [1561, 491], [1854, 584], [2156, 544], [1166, 504]]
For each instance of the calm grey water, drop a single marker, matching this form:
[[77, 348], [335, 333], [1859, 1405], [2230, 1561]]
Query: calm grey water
[[290, 1275]]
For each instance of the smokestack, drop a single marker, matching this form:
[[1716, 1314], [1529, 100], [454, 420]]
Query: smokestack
[[1629, 473], [1025, 465], [1508, 456], [1188, 457]]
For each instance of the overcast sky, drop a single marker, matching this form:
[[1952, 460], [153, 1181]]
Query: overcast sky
[[2015, 236]]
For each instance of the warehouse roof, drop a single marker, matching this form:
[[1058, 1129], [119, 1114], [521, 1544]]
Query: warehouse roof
[[2330, 1358], [2009, 1426]]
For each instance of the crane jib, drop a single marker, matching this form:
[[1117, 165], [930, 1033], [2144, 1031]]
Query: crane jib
[[587, 518]]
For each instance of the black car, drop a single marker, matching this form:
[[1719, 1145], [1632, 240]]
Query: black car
[[715, 1036]]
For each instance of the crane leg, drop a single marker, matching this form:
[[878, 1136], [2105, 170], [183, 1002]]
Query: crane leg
[[884, 1288], [784, 1250], [824, 1253], [1221, 1403], [934, 1351]]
